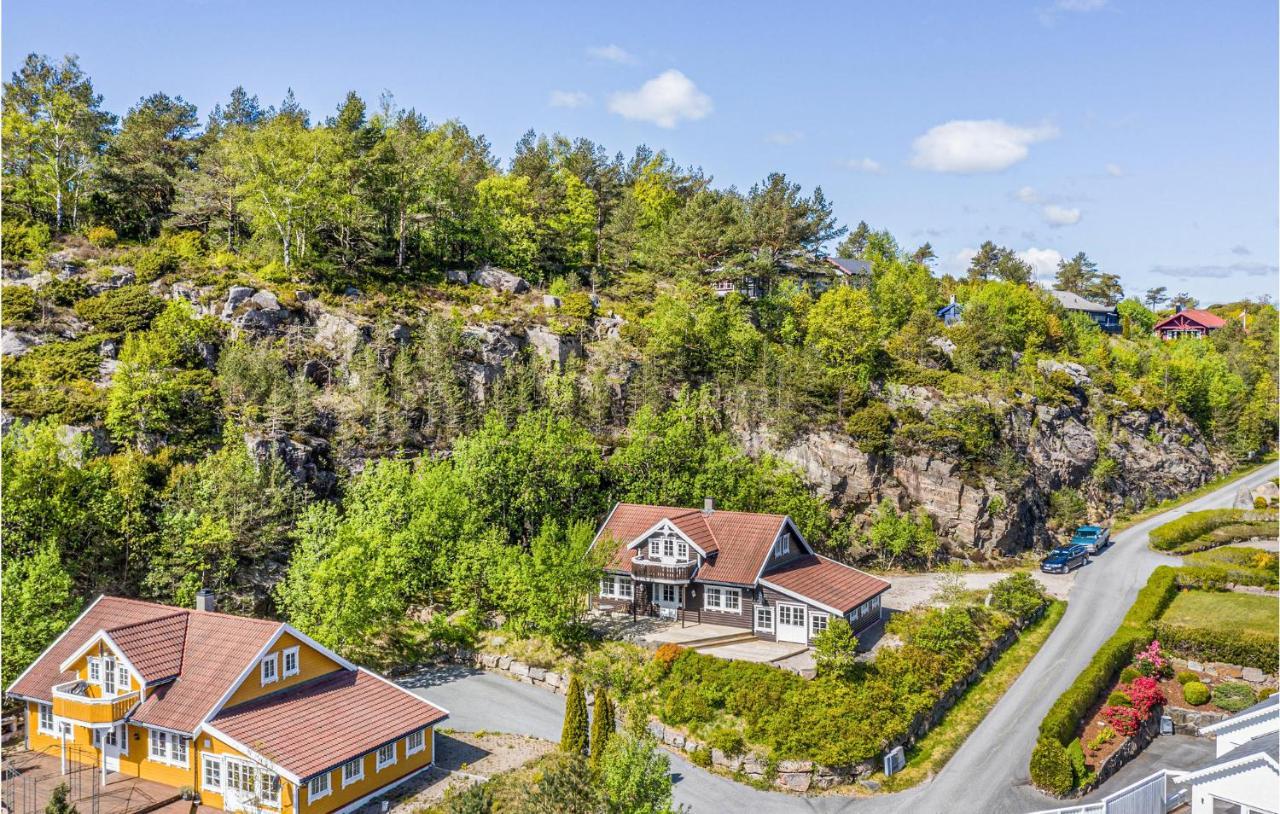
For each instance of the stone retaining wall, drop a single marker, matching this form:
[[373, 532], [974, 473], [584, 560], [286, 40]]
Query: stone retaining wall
[[1129, 749], [1191, 721], [1234, 672]]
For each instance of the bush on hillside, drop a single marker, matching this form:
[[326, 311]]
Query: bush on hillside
[[102, 236], [1018, 595], [128, 308], [1195, 693], [23, 241], [1223, 643], [18, 306], [1119, 699], [1185, 677]]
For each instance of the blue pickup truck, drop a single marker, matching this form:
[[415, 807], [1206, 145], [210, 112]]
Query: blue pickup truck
[[1094, 538]]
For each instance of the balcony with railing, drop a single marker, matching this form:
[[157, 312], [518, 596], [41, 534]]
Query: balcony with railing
[[656, 571], [76, 700]]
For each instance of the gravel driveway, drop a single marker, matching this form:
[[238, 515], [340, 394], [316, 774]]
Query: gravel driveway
[[987, 774]]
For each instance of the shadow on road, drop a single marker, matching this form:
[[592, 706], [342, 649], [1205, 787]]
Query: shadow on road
[[435, 675]]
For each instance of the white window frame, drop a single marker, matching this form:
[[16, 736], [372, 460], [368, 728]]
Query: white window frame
[[782, 546], [170, 744], [297, 661], [158, 745], [122, 678], [208, 761], [43, 710], [314, 792], [682, 550], [655, 547], [715, 598], [380, 763], [355, 778], [816, 617], [607, 583], [409, 748], [94, 670], [109, 676], [625, 587], [663, 587], [274, 661], [766, 613], [265, 780]]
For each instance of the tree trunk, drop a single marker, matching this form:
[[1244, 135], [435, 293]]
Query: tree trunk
[[400, 247]]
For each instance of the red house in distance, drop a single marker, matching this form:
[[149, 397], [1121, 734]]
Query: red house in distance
[[1188, 322]]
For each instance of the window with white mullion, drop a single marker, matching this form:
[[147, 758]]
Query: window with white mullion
[[318, 787], [728, 600], [352, 771], [211, 766]]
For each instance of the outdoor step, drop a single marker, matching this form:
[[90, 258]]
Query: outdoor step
[[718, 641]]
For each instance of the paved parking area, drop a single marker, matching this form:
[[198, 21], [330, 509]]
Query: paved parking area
[[755, 650]]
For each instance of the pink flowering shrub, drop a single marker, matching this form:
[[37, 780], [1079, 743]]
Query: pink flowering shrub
[[1153, 662]]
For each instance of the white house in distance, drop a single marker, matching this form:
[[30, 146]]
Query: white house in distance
[[1245, 775]]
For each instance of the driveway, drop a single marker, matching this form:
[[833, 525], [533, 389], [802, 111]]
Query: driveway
[[987, 774]]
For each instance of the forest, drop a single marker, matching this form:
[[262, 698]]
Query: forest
[[154, 440]]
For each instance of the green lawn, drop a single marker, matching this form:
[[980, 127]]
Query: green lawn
[[1248, 613], [932, 752]]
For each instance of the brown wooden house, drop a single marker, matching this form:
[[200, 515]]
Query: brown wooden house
[[1188, 322], [741, 569]]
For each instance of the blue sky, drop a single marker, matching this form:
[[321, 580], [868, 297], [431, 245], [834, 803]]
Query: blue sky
[[1142, 133]]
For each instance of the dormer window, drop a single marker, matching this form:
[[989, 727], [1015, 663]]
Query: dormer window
[[655, 548], [270, 668], [782, 546]]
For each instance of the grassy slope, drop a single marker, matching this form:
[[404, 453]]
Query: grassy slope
[[933, 751], [1248, 612]]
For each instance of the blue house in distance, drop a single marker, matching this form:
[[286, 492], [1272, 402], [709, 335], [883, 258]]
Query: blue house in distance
[[950, 313]]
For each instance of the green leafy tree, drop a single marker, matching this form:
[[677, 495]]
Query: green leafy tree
[[844, 335], [504, 222], [59, 801], [635, 775], [1156, 296], [574, 737], [39, 603], [855, 243], [54, 130], [835, 650], [1077, 275]]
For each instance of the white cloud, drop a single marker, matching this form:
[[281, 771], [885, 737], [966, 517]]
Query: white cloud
[[1028, 195], [568, 98], [1056, 215], [1245, 269], [967, 146], [784, 138], [612, 53], [962, 258], [1079, 5], [1240, 249], [862, 165], [664, 100], [1043, 262], [1115, 170]]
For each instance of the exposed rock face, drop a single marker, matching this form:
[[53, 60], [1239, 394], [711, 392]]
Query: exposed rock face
[[552, 346], [302, 458], [489, 348], [120, 276], [339, 335], [1144, 457], [13, 343]]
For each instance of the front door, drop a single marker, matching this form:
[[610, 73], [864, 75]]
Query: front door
[[668, 598], [108, 742], [239, 791], [791, 624]]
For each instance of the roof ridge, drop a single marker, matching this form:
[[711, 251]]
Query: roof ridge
[[275, 695], [179, 612]]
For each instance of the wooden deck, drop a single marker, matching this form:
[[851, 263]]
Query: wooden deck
[[31, 777]]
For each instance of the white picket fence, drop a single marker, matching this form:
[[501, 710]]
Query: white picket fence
[[1148, 796]]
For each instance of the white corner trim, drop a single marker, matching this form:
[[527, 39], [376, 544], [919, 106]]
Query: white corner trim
[[250, 753], [310, 642], [54, 644], [295, 651], [603, 526]]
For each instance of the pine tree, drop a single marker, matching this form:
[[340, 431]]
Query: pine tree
[[602, 726], [573, 737]]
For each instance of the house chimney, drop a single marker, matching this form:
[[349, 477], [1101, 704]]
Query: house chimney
[[206, 600], [708, 505], [953, 299], [1177, 309]]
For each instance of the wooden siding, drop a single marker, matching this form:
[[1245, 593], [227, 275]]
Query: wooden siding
[[695, 611], [373, 779], [311, 663]]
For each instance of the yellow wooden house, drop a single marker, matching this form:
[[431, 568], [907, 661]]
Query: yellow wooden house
[[248, 714]]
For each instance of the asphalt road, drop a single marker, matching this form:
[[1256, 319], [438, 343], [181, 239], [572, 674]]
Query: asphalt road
[[988, 775]]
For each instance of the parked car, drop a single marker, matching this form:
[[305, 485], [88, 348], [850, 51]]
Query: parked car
[[1095, 538], [1064, 558]]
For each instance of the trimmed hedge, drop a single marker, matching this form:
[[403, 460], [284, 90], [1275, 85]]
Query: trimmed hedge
[[1195, 693], [1051, 767], [1219, 644], [1064, 717], [1191, 526]]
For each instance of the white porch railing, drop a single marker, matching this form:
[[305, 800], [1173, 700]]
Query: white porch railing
[[1148, 796]]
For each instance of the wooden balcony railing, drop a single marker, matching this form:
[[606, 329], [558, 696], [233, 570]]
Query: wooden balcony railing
[[665, 571], [68, 703]]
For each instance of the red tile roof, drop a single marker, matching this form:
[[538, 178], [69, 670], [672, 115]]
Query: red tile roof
[[738, 542], [1204, 318], [327, 721], [208, 650], [826, 582], [153, 647]]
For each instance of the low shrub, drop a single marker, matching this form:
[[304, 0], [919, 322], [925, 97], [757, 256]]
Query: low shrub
[[23, 241], [871, 427], [1230, 565], [1018, 595], [727, 740], [701, 757], [1190, 526], [1146, 695], [1080, 774], [1185, 677], [153, 263], [1105, 735], [666, 654], [1119, 699], [1266, 692], [1225, 644], [1151, 661], [128, 308], [65, 292], [1124, 720], [18, 306], [102, 236], [1129, 674], [1233, 696], [1051, 767], [1195, 693]]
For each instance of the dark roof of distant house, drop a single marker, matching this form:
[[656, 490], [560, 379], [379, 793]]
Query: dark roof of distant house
[[839, 587], [848, 265], [1075, 302], [1206, 319]]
